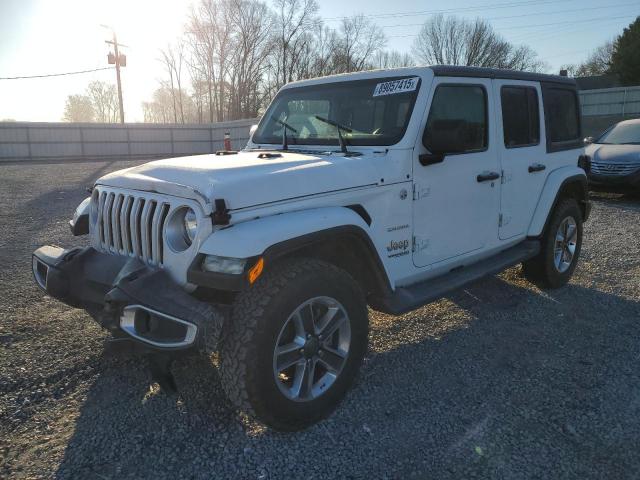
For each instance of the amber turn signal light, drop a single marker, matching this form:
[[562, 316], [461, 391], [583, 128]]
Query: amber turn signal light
[[256, 270]]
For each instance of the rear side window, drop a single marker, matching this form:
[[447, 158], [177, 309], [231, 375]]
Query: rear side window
[[457, 121], [562, 118], [520, 116]]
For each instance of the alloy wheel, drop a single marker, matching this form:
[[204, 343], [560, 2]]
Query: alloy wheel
[[312, 349], [565, 244]]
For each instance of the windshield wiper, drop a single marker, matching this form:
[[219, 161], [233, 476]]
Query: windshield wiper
[[339, 128], [285, 126]]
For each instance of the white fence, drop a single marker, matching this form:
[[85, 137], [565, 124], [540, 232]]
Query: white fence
[[611, 101], [603, 107], [21, 141]]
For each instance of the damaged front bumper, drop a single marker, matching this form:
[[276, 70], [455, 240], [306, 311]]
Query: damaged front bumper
[[129, 298]]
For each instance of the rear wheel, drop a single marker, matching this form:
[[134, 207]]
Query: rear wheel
[[560, 248], [294, 343]]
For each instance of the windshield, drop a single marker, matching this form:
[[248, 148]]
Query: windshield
[[622, 133], [369, 112]]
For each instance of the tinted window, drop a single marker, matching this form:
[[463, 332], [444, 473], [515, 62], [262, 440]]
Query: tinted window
[[520, 116], [457, 120], [561, 110], [376, 112]]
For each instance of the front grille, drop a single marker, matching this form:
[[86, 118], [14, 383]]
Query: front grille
[[131, 225], [614, 169]]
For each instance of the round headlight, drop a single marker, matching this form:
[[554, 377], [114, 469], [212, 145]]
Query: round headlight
[[180, 229], [190, 225]]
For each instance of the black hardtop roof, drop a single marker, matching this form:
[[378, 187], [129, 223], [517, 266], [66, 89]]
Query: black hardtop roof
[[482, 72]]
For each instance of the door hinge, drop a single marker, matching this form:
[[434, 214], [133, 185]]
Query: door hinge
[[503, 220], [507, 176], [420, 192], [500, 220], [419, 244]]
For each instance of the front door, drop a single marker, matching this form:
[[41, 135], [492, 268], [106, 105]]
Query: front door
[[456, 199]]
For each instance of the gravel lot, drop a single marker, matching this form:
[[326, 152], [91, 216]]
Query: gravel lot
[[500, 380]]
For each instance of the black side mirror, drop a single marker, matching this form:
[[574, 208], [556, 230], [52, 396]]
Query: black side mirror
[[442, 137], [430, 158]]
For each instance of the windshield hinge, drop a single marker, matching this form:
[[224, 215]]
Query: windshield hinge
[[221, 215]]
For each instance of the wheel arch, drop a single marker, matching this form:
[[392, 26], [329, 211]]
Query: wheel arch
[[347, 247], [567, 182], [337, 235]]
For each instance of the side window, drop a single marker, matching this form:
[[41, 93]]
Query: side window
[[457, 121], [562, 117], [520, 116]]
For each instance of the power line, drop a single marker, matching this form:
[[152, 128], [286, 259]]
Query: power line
[[56, 74], [566, 22], [544, 33], [525, 14], [494, 6]]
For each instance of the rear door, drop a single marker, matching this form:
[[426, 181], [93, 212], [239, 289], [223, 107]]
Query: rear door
[[522, 151], [456, 200]]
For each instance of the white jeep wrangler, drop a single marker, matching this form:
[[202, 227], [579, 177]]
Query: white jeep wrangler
[[386, 188]]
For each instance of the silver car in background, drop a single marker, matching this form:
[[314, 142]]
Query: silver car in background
[[615, 158]]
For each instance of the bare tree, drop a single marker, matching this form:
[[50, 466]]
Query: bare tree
[[455, 41], [202, 39], [292, 20], [392, 59], [160, 108], [173, 59], [252, 42], [324, 42], [359, 39], [104, 98], [238, 53], [209, 33], [78, 108], [598, 63]]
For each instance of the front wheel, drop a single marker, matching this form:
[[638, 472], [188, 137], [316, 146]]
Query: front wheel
[[294, 343], [560, 248]]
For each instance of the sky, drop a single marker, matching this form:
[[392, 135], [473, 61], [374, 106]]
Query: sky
[[52, 36]]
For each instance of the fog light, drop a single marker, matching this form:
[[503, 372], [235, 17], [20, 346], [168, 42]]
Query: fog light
[[213, 263]]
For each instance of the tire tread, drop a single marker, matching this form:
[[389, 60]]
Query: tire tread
[[243, 328]]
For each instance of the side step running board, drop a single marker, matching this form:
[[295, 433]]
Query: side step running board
[[414, 296]]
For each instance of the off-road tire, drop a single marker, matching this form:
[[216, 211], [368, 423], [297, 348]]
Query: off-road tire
[[541, 270], [251, 331]]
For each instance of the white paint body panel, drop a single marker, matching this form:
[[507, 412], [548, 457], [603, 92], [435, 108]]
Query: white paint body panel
[[519, 189], [455, 214], [252, 238]]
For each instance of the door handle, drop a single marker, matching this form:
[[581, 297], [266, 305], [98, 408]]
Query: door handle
[[536, 167], [487, 176]]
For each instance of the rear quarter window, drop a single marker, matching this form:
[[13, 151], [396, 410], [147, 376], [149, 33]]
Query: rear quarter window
[[562, 118]]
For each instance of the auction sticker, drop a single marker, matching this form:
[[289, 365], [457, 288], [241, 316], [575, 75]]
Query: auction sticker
[[396, 86]]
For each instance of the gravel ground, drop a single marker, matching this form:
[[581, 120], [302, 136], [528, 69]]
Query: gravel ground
[[500, 380]]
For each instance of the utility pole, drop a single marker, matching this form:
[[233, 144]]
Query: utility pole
[[119, 61]]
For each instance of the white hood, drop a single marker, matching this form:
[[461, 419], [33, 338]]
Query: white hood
[[244, 179]]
